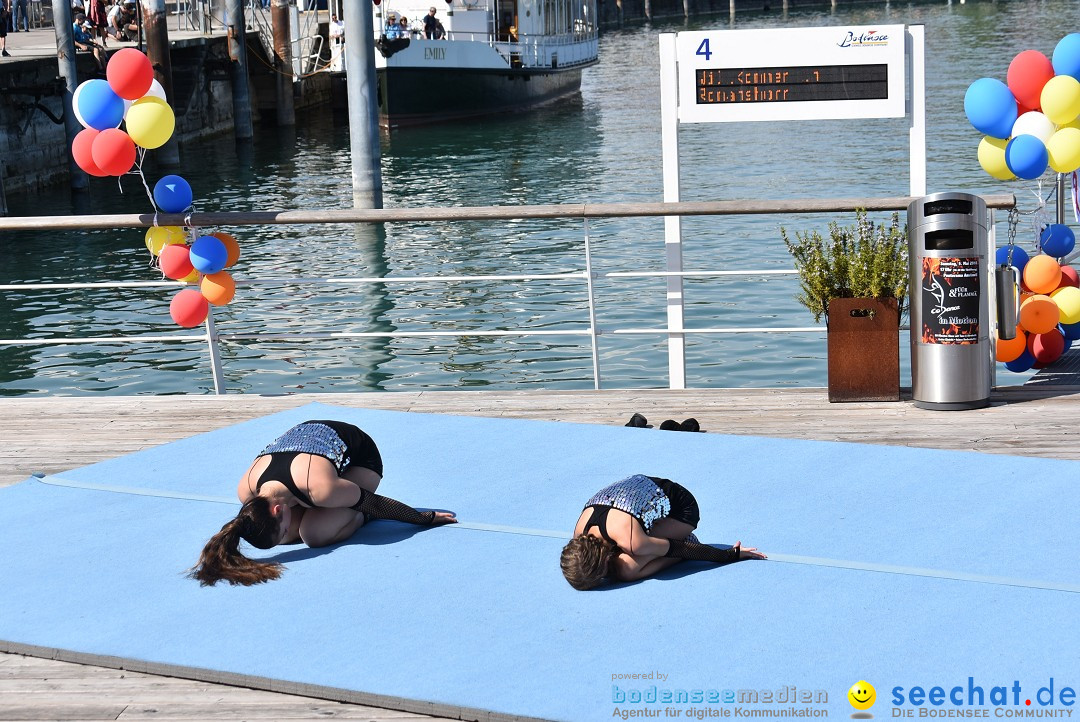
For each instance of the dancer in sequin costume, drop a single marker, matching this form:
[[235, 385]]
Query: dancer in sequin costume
[[315, 483], [636, 527]]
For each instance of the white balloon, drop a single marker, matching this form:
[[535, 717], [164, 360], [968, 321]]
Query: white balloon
[[75, 104], [1036, 124], [156, 91]]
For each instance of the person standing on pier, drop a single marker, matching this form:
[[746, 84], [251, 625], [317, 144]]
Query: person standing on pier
[[22, 17], [5, 14], [635, 528], [315, 483]]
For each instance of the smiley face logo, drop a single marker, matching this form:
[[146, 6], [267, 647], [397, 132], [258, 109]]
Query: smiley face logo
[[862, 695]]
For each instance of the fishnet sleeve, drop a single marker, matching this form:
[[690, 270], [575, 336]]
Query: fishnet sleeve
[[681, 549], [383, 507]]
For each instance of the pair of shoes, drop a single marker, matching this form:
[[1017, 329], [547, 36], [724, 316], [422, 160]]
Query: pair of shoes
[[638, 421], [688, 425]]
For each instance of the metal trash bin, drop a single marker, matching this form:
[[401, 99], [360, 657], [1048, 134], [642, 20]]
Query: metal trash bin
[[951, 353]]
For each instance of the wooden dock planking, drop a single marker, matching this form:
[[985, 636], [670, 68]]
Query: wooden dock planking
[[52, 435]]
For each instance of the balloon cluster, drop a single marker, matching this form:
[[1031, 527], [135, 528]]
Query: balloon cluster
[[202, 262], [132, 97], [1031, 122], [1050, 302]]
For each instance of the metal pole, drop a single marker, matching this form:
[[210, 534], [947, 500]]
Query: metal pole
[[157, 49], [236, 30], [286, 108], [593, 331], [669, 136], [916, 47], [1060, 197], [294, 40], [215, 353], [65, 58], [363, 104]]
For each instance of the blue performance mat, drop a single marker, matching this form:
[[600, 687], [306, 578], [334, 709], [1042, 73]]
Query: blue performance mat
[[911, 569]]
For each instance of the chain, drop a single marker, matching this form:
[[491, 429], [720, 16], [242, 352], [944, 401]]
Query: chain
[[1014, 221]]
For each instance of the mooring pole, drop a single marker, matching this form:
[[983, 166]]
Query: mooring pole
[[157, 49], [65, 59], [286, 108], [363, 104], [236, 29]]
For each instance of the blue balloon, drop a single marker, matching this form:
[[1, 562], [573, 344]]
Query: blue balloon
[[1057, 240], [172, 194], [1019, 257], [1066, 59], [99, 106], [1071, 331], [1026, 157], [208, 254], [1022, 363], [991, 107]]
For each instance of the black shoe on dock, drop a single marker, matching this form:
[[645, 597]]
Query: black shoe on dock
[[638, 422]]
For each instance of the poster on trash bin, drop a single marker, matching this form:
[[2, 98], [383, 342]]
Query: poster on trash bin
[[950, 300]]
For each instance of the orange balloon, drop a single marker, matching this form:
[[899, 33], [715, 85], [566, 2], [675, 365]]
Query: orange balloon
[[1013, 348], [1039, 314], [218, 288], [232, 248], [1042, 274]]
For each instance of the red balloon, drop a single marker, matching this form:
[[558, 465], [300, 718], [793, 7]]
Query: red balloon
[[113, 152], [81, 152], [188, 308], [1069, 277], [1046, 347], [1028, 73], [129, 73], [174, 261]]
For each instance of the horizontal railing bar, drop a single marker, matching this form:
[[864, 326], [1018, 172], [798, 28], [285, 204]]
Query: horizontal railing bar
[[637, 274], [577, 275], [98, 339], [389, 334], [472, 213], [404, 334], [764, 329]]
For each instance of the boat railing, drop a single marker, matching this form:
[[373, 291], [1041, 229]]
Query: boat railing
[[586, 275]]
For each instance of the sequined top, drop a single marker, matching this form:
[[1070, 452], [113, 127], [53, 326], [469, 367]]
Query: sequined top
[[638, 496], [312, 438]]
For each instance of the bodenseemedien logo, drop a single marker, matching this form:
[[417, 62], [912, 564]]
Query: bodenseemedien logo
[[862, 696]]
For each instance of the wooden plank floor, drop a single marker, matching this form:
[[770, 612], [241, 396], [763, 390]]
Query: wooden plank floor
[[51, 435]]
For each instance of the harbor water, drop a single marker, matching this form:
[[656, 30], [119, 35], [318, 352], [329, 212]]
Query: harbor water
[[601, 146]]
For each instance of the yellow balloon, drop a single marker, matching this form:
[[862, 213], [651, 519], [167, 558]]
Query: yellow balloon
[[192, 277], [157, 237], [1068, 300], [992, 158], [1061, 99], [150, 122], [1064, 150]]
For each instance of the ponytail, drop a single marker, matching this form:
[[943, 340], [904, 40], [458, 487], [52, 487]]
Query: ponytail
[[221, 558]]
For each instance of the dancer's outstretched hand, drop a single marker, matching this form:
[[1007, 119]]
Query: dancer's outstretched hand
[[749, 552], [444, 517]]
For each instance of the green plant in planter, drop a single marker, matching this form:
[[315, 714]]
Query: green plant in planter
[[859, 261]]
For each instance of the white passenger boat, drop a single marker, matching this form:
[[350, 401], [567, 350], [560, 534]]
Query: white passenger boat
[[493, 56]]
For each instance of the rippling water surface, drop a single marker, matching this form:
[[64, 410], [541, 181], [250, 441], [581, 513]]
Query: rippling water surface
[[603, 146]]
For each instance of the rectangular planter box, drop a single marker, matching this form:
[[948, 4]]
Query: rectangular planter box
[[864, 349]]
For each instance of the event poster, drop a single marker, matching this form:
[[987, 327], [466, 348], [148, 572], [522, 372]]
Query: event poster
[[950, 300]]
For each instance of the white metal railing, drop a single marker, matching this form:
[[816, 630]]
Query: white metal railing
[[213, 338]]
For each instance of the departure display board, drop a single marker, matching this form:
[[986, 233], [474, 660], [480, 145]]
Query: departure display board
[[791, 74], [793, 84]]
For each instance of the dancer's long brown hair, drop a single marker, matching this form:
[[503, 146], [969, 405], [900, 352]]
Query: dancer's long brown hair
[[586, 561], [221, 558]]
